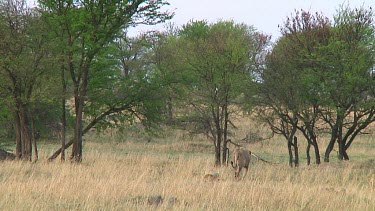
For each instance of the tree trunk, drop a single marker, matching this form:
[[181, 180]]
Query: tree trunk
[[330, 146], [35, 149], [84, 131], [26, 134], [308, 153], [77, 143], [225, 143], [295, 145], [18, 134], [63, 116], [34, 138], [339, 123], [316, 150], [62, 131], [217, 154], [225, 147], [341, 144], [219, 136], [341, 150], [290, 152], [79, 95]]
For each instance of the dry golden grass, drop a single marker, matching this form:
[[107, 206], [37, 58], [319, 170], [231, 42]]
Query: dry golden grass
[[121, 176]]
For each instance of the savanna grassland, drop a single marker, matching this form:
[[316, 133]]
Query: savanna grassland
[[122, 173]]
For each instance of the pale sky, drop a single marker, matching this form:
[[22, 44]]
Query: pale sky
[[264, 15]]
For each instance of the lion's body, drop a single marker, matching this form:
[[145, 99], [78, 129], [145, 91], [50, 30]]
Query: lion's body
[[241, 159]]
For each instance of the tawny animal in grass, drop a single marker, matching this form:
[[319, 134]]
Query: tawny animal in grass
[[212, 177], [241, 159]]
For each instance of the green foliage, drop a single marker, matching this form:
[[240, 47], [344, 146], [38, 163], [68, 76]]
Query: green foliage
[[127, 98], [207, 69], [349, 58], [84, 32], [318, 71], [218, 62], [27, 79]]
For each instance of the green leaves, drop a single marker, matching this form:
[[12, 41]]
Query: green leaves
[[318, 71], [211, 67]]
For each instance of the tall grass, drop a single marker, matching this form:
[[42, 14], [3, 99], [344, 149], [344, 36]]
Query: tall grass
[[122, 176]]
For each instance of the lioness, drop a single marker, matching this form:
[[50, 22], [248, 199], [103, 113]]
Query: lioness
[[241, 159]]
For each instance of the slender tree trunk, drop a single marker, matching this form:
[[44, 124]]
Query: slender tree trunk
[[62, 131], [80, 93], [217, 157], [35, 150], [341, 150], [316, 150], [77, 144], [343, 143], [330, 146], [34, 138], [225, 147], [63, 116], [218, 146], [18, 134], [217, 153], [340, 142], [308, 153], [290, 152], [295, 145], [225, 143], [26, 134], [216, 117], [339, 123]]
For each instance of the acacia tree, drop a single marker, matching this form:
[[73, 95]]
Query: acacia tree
[[85, 28], [23, 53], [308, 32], [323, 72], [277, 103], [348, 78], [217, 63], [117, 100], [289, 89]]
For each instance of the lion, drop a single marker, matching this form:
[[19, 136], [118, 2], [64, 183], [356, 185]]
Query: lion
[[241, 159], [212, 177]]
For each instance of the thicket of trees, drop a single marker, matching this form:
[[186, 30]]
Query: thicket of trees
[[69, 65], [208, 67], [320, 75], [65, 50]]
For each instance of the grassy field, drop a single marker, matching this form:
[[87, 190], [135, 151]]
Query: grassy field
[[125, 173]]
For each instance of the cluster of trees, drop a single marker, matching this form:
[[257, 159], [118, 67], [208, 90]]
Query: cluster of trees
[[207, 69], [71, 50], [321, 74], [71, 63]]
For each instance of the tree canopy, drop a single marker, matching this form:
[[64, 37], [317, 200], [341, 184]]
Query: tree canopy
[[324, 74], [215, 65]]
